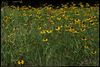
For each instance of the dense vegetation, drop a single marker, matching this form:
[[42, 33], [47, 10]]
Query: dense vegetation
[[68, 36]]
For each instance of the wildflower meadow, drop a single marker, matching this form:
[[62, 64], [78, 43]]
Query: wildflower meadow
[[65, 36]]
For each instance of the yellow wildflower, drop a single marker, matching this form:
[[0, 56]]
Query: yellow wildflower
[[29, 6], [77, 21], [45, 40], [63, 15], [43, 32], [87, 5], [93, 52], [59, 18], [71, 29], [49, 31], [92, 23], [84, 38], [82, 30], [77, 14], [67, 26], [89, 19], [81, 5], [20, 62], [75, 31], [6, 18], [66, 30], [61, 9], [52, 17], [58, 28], [86, 46], [38, 12], [94, 16], [83, 26]]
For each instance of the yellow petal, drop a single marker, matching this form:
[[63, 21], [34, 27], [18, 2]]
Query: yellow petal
[[19, 62], [22, 61]]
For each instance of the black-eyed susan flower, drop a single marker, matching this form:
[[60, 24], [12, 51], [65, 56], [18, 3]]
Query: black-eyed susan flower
[[45, 40], [71, 29], [67, 26], [77, 21], [90, 19], [49, 31], [77, 13], [94, 16], [83, 25], [20, 62], [82, 29], [83, 22], [84, 38], [92, 23], [93, 52], [58, 28]]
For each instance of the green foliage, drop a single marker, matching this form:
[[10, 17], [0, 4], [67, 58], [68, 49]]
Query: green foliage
[[50, 37]]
